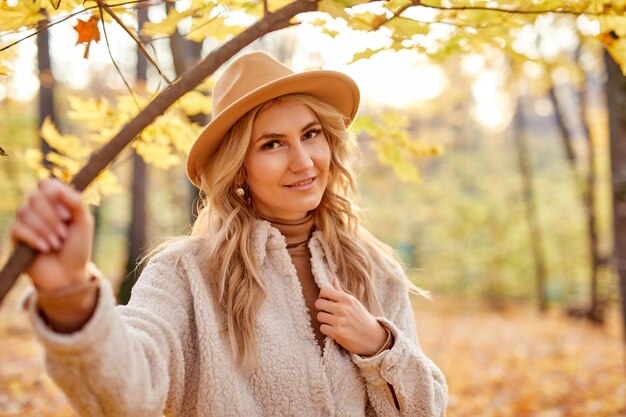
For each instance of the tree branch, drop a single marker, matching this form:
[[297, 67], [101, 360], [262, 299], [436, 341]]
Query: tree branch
[[63, 19], [23, 255], [134, 37], [500, 10]]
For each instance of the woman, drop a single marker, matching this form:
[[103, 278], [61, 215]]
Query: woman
[[278, 304]]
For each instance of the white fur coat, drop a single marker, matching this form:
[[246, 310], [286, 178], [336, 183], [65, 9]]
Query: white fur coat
[[165, 352]]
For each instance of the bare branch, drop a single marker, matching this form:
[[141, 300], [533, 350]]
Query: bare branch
[[63, 19], [501, 10], [119, 71], [135, 38]]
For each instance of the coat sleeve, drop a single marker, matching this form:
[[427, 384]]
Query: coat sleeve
[[402, 381], [127, 360]]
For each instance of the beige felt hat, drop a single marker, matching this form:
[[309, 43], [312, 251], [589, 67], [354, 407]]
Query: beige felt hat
[[255, 78]]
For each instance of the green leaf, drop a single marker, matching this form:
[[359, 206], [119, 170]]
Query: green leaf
[[365, 124]]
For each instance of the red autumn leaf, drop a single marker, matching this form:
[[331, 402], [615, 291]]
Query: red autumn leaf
[[87, 32]]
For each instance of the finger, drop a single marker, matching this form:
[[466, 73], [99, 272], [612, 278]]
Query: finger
[[32, 220], [51, 188], [326, 305], [330, 293], [326, 318], [336, 285], [59, 192], [43, 207], [26, 235], [327, 330]]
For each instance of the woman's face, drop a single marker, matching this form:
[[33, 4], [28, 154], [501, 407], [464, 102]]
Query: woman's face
[[287, 162]]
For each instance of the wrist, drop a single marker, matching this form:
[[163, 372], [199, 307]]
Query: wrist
[[67, 309], [387, 342]]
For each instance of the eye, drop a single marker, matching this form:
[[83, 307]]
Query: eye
[[272, 144], [310, 134]]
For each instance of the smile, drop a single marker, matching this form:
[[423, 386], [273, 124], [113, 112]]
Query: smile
[[304, 184]]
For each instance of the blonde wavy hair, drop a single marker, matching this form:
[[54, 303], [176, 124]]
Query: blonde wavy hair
[[237, 287]]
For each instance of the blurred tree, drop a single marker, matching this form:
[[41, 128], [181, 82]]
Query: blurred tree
[[185, 54], [616, 98], [137, 236], [584, 179], [46, 86], [534, 229]]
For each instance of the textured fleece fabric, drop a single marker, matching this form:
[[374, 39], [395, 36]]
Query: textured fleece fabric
[[167, 351]]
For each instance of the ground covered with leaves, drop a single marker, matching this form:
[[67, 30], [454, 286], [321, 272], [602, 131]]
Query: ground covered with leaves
[[509, 362]]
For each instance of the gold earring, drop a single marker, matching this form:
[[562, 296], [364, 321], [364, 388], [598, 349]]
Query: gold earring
[[240, 192]]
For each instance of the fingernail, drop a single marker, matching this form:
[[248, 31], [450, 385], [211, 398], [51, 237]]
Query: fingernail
[[62, 229], [63, 212], [54, 241], [43, 245]]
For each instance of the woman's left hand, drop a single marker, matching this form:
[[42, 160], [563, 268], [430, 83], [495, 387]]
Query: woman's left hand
[[347, 321]]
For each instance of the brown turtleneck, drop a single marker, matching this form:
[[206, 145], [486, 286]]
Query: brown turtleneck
[[297, 234]]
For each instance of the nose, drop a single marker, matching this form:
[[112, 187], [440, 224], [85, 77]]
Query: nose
[[300, 158]]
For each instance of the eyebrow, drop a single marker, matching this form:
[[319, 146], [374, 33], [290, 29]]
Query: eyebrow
[[278, 135]]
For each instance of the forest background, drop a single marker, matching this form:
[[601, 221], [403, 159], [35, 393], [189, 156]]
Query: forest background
[[486, 163]]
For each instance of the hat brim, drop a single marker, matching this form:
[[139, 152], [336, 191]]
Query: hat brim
[[332, 87]]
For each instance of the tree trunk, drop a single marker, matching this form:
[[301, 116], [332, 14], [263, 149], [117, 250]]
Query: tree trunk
[[136, 238], [185, 54], [598, 261], [586, 186], [534, 229], [46, 87], [616, 103]]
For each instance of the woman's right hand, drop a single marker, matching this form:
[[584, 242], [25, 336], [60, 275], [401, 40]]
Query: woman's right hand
[[56, 222]]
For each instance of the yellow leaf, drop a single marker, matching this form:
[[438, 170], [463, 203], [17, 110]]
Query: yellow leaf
[[612, 23], [159, 155], [406, 28], [4, 70], [33, 159], [274, 5], [24, 13], [366, 54], [366, 21], [323, 25], [616, 48], [394, 5], [68, 144], [206, 85], [334, 8], [167, 26], [104, 184], [194, 102], [390, 155], [212, 27]]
